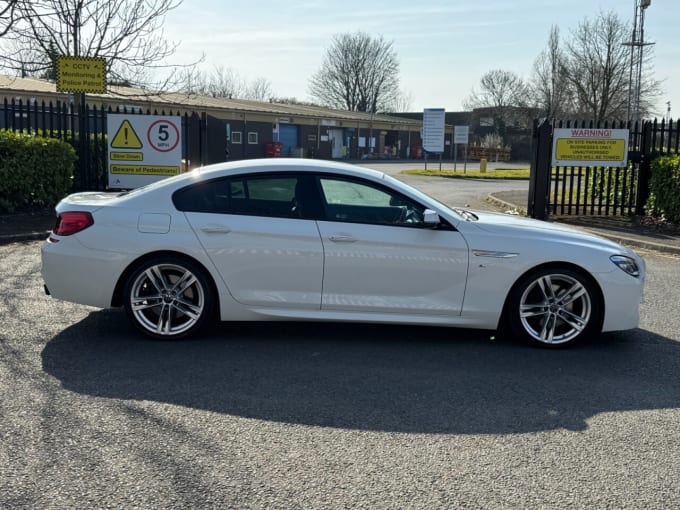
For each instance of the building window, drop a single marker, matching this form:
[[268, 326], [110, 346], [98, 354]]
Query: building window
[[236, 137], [252, 137]]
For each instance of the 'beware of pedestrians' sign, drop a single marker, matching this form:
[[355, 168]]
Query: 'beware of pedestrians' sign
[[143, 149]]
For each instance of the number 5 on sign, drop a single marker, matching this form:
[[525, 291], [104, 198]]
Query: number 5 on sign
[[163, 135]]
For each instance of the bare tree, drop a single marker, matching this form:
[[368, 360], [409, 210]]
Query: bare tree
[[358, 73], [260, 89], [597, 68], [292, 100], [127, 33], [401, 103], [192, 82], [8, 15], [503, 93], [223, 82], [30, 62], [550, 89]]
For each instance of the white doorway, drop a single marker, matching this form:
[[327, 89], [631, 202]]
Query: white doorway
[[335, 137]]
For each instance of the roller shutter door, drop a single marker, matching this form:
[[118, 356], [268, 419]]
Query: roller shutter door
[[288, 136]]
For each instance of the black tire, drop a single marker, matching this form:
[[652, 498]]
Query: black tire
[[168, 298], [554, 307]]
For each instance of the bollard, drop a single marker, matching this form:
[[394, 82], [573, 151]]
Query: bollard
[[482, 165]]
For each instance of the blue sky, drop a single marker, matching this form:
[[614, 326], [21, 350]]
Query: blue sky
[[444, 46]]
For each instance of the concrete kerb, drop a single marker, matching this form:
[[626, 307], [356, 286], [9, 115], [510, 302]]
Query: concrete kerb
[[502, 204], [23, 237], [630, 242]]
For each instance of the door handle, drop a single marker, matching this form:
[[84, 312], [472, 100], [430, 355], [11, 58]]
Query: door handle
[[215, 229], [342, 239]]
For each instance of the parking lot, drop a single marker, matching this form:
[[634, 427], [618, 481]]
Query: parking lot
[[330, 416]]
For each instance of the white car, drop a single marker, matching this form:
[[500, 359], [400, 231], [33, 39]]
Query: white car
[[296, 239]]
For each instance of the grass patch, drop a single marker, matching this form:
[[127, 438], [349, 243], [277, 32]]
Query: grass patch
[[510, 173]]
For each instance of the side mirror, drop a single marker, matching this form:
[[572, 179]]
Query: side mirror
[[431, 217]]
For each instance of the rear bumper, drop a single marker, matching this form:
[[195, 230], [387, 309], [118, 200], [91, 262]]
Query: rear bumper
[[77, 274]]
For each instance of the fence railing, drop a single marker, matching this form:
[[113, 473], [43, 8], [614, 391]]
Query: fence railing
[[85, 128]]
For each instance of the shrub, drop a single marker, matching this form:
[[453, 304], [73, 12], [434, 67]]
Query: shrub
[[665, 188], [611, 185], [34, 171]]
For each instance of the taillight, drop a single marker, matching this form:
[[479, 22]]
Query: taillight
[[69, 223]]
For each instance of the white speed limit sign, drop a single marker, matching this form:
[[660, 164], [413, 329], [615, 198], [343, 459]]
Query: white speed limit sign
[[143, 148], [163, 135]]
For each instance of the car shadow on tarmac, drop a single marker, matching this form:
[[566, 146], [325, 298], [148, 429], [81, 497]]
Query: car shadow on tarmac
[[370, 377]]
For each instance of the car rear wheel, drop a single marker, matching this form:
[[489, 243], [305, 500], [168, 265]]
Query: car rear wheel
[[554, 307], [168, 298]]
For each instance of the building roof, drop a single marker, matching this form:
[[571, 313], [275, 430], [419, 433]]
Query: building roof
[[13, 85]]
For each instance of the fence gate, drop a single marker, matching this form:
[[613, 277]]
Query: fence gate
[[596, 190]]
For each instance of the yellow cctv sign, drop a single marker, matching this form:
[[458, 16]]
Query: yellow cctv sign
[[590, 147], [81, 74]]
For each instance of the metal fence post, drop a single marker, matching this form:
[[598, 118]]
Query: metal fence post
[[646, 156], [539, 181]]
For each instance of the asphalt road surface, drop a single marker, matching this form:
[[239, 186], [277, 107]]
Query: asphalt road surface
[[330, 416], [456, 192]]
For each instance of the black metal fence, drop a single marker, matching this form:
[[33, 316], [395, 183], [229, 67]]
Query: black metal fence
[[592, 190], [85, 128], [597, 190]]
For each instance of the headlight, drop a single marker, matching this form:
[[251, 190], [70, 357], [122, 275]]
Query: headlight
[[627, 264]]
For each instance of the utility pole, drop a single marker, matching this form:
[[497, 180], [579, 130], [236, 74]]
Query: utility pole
[[637, 44]]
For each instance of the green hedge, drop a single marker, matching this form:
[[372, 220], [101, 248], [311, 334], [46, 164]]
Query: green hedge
[[34, 171], [665, 188]]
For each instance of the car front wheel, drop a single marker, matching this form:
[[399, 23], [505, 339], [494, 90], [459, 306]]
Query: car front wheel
[[168, 298], [554, 308]]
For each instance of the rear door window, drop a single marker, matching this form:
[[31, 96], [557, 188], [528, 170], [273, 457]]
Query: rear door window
[[256, 195]]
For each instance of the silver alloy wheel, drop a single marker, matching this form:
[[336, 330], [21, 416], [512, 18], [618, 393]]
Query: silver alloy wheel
[[555, 308], [167, 299]]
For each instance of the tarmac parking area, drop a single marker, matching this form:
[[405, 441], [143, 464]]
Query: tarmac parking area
[[290, 415]]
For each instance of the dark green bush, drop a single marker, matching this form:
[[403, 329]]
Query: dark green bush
[[34, 171], [665, 188]]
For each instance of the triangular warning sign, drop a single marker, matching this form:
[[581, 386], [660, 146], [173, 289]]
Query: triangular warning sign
[[126, 138]]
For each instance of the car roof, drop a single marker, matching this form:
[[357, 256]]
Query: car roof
[[286, 165], [234, 168]]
